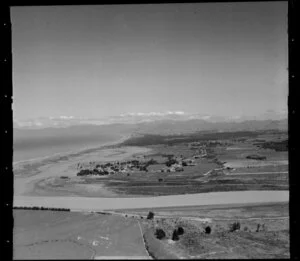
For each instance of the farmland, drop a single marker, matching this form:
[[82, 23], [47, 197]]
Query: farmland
[[67, 235], [197, 166]]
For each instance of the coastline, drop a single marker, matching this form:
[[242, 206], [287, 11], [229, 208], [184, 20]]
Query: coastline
[[28, 174], [78, 151]]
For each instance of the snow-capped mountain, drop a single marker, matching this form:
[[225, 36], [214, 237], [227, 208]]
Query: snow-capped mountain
[[160, 118]]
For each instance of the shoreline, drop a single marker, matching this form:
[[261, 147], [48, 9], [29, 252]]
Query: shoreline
[[27, 176], [81, 150]]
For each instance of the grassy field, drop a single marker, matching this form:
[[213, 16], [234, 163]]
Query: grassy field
[[67, 235], [263, 232]]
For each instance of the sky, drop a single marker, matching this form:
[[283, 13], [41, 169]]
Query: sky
[[222, 59]]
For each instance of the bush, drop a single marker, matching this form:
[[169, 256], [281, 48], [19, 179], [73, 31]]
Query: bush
[[170, 162], [180, 231], [150, 215], [84, 172], [175, 236], [160, 179], [235, 226], [151, 162], [256, 157], [143, 168], [245, 228], [160, 234], [207, 230], [258, 227]]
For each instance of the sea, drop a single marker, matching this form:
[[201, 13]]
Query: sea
[[35, 144]]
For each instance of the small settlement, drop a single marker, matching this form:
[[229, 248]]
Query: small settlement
[[171, 164]]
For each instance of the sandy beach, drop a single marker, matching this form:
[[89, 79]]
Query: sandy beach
[[56, 165], [61, 154]]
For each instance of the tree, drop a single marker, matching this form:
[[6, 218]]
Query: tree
[[180, 231], [235, 226], [207, 230], [150, 215], [160, 234], [175, 236]]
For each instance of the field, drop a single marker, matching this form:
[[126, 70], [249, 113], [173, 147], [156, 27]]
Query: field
[[69, 235], [263, 232]]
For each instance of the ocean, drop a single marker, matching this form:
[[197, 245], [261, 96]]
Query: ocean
[[32, 144]]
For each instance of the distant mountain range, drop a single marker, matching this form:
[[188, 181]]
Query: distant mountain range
[[175, 120], [88, 130]]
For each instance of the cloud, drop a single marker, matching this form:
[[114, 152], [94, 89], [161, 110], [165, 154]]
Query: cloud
[[152, 113], [66, 117]]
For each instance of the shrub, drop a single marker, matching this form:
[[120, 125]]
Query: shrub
[[160, 234], [170, 162], [175, 236], [160, 179], [258, 227], [180, 231], [235, 226], [152, 162], [150, 215], [84, 172], [256, 157], [207, 230], [143, 168], [245, 228]]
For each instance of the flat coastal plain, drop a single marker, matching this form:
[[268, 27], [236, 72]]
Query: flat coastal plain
[[225, 181]]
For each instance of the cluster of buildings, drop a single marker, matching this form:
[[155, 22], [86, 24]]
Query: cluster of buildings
[[200, 150], [173, 164], [112, 167]]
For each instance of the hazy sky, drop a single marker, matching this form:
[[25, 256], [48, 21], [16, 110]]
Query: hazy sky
[[94, 61]]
